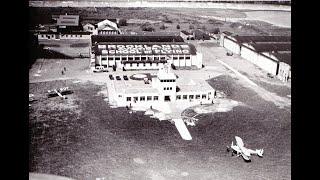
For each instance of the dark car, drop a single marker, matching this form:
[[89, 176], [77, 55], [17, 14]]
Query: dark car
[[229, 54], [269, 75], [125, 77], [111, 77], [118, 78]]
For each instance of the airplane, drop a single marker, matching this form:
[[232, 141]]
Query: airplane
[[31, 99], [59, 92], [239, 149]]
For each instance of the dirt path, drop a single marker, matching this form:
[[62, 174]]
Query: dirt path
[[266, 95]]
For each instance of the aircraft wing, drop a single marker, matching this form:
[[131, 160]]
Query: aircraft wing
[[239, 142]]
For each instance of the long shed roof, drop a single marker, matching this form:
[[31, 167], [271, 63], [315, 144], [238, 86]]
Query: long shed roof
[[68, 20], [269, 47], [283, 57], [135, 38], [255, 39]]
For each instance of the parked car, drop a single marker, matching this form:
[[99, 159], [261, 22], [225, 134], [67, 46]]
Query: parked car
[[125, 77], [111, 77], [269, 75], [229, 53], [118, 78], [100, 69]]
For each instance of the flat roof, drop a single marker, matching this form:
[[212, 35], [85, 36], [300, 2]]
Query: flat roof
[[135, 38], [133, 87], [185, 84], [269, 47], [163, 74], [68, 32], [193, 85]]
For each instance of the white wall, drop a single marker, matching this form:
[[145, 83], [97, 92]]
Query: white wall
[[122, 101], [197, 60], [135, 67], [231, 46], [267, 64], [209, 95], [249, 54], [284, 72], [261, 61], [176, 62]]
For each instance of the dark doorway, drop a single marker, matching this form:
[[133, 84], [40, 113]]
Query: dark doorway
[[167, 98]]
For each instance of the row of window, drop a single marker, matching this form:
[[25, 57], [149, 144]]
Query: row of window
[[156, 98], [143, 64], [143, 98], [107, 32], [167, 88], [198, 96], [62, 35], [142, 58], [168, 80]]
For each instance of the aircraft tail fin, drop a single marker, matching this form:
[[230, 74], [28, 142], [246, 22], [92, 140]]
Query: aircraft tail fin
[[259, 152]]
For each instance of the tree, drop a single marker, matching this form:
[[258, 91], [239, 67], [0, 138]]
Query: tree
[[216, 31], [178, 26], [147, 27]]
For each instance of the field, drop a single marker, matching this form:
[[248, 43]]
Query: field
[[82, 137], [237, 21], [65, 48]]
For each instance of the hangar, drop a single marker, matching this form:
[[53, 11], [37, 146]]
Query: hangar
[[271, 53], [133, 52], [259, 54]]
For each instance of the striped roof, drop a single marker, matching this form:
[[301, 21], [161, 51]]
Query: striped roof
[[135, 38]]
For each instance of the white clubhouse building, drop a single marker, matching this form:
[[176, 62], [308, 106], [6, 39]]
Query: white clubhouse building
[[164, 87]]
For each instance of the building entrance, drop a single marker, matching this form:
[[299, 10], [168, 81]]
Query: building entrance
[[167, 98]]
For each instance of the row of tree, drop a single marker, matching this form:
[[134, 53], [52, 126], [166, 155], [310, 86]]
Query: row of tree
[[149, 27]]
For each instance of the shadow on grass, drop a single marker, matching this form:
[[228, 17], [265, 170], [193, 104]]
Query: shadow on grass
[[51, 54]]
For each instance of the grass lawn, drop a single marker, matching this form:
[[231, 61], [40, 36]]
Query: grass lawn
[[84, 138]]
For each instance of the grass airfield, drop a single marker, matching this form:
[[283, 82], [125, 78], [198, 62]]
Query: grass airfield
[[84, 138]]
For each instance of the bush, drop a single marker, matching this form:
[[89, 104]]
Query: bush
[[123, 22], [215, 31], [204, 28], [147, 27], [163, 27], [178, 26]]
